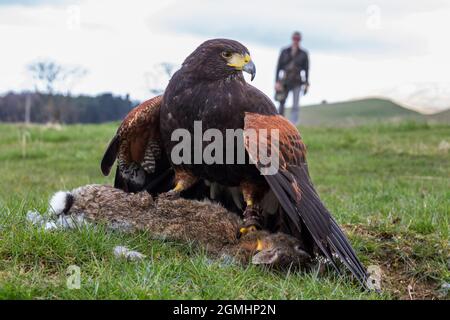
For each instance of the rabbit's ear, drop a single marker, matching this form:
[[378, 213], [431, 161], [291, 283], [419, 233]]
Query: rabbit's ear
[[265, 257]]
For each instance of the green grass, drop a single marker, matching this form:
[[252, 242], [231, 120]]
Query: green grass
[[389, 184]]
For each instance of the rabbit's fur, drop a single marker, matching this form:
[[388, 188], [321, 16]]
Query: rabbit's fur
[[207, 224]]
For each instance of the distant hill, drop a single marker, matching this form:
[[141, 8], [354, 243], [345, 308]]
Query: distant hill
[[443, 116], [356, 112], [424, 96]]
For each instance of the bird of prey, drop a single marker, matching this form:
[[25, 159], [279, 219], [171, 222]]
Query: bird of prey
[[210, 87]]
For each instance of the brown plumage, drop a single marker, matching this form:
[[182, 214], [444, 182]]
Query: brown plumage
[[137, 148], [206, 224], [292, 150], [295, 191], [210, 88]]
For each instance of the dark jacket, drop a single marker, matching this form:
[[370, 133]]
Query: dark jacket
[[292, 67]]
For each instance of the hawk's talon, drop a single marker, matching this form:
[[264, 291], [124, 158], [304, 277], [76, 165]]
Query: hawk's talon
[[249, 229], [252, 220]]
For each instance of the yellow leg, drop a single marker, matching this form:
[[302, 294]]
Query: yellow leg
[[250, 228], [178, 187], [175, 192], [184, 180], [259, 245]]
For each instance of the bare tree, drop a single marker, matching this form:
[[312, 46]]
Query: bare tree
[[50, 77], [157, 79]]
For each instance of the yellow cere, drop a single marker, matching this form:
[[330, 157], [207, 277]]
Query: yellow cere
[[238, 60]]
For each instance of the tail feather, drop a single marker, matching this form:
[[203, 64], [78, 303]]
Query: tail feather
[[110, 155], [325, 231], [351, 260], [323, 227]]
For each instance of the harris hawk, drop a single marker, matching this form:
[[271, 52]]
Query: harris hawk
[[210, 88]]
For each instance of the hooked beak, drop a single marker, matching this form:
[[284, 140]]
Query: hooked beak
[[250, 68], [242, 63]]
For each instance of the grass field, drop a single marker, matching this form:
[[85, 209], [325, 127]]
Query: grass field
[[389, 184]]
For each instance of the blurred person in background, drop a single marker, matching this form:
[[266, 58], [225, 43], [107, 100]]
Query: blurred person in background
[[292, 75]]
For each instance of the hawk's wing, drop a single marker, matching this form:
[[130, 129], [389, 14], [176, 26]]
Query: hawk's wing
[[139, 128], [138, 149], [293, 187]]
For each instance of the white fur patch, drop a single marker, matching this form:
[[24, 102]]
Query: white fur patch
[[50, 225], [71, 221], [42, 221], [125, 253], [35, 218], [62, 222], [58, 202]]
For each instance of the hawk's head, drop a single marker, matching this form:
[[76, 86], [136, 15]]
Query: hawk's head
[[219, 58]]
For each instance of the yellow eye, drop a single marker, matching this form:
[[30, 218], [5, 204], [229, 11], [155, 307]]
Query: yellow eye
[[226, 54]]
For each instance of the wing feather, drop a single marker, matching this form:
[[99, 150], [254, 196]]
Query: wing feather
[[110, 155], [293, 188], [136, 134]]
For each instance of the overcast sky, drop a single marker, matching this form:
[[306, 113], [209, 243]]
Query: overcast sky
[[357, 48]]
